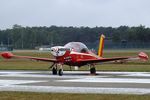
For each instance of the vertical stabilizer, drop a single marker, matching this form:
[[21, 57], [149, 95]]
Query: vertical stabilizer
[[101, 46]]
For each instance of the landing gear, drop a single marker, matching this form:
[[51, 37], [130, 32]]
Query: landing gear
[[55, 67], [54, 70], [92, 70], [60, 72]]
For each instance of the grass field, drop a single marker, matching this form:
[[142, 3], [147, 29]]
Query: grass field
[[59, 96], [22, 64]]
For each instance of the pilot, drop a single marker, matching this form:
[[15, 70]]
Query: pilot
[[84, 50]]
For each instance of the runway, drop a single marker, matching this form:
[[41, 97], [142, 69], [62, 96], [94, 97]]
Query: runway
[[76, 82]]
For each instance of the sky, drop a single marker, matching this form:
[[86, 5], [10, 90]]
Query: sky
[[91, 13]]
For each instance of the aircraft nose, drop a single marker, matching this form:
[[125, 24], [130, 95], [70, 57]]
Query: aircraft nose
[[53, 49]]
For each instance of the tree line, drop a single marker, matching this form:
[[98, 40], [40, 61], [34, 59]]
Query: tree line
[[29, 37]]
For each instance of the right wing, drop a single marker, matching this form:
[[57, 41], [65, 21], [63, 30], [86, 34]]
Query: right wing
[[141, 56], [9, 55]]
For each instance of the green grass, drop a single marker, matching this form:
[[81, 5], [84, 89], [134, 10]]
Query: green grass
[[61, 96], [23, 64]]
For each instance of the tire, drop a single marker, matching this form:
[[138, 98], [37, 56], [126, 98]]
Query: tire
[[93, 70], [60, 72], [54, 71]]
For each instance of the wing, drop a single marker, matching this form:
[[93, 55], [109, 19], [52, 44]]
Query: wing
[[9, 55], [141, 56]]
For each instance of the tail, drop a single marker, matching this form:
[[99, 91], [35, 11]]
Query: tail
[[101, 45]]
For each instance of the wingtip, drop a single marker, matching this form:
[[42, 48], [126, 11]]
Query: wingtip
[[7, 55], [143, 56]]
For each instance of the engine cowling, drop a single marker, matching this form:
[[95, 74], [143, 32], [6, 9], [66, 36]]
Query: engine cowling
[[59, 51]]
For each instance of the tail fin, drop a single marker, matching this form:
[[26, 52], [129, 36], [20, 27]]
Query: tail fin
[[101, 46]]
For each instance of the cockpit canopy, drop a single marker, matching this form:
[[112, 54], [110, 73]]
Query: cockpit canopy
[[77, 46], [72, 46]]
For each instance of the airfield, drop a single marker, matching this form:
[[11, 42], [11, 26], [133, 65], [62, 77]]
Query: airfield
[[21, 75], [76, 82]]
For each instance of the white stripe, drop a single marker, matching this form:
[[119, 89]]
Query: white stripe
[[61, 89], [13, 82], [72, 52], [108, 80]]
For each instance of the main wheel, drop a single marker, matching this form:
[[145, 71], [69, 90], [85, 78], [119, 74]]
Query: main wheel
[[93, 70], [60, 72], [54, 71]]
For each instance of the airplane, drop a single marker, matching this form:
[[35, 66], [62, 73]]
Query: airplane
[[76, 54]]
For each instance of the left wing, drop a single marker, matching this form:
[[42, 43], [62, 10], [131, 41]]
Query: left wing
[[9, 55], [141, 56]]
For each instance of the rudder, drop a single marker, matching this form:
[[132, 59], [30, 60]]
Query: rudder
[[101, 45]]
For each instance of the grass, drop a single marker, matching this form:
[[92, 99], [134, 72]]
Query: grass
[[22, 64], [63, 96]]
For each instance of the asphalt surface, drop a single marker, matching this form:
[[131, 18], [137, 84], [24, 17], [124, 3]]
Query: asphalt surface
[[76, 82]]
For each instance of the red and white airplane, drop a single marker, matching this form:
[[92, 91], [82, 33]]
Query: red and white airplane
[[76, 54]]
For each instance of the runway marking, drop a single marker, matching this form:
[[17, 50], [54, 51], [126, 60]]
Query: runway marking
[[14, 82], [138, 74], [20, 72], [24, 75], [61, 89], [108, 80], [46, 75]]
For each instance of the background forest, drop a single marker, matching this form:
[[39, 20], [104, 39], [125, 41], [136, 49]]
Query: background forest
[[29, 37]]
